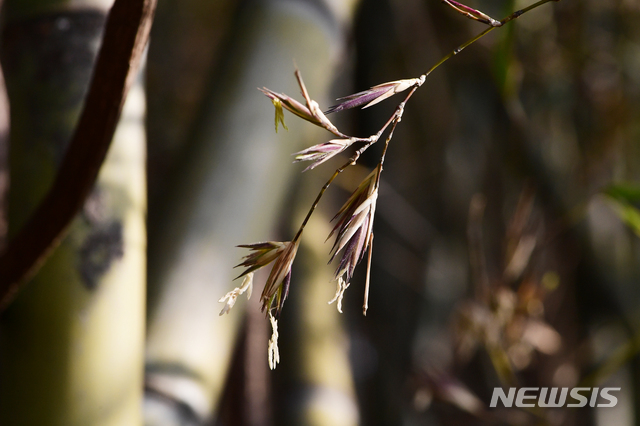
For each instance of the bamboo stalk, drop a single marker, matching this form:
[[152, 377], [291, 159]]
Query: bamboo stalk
[[71, 346]]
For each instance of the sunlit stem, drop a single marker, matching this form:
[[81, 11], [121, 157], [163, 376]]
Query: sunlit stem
[[365, 305], [397, 117], [393, 121], [303, 88], [335, 174], [509, 18]]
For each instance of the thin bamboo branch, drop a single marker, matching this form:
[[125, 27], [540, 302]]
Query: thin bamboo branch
[[397, 115], [469, 42]]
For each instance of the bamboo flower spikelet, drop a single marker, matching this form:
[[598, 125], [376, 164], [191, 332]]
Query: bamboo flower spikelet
[[276, 288], [353, 229], [374, 95], [322, 152]]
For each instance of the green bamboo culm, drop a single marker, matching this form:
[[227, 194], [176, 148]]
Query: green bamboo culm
[[71, 344]]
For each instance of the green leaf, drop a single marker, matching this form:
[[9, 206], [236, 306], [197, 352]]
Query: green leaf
[[628, 192], [623, 195], [630, 215]]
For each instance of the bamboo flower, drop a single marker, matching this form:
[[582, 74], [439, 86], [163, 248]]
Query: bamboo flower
[[263, 254], [274, 352], [474, 14], [375, 94], [322, 152], [231, 297], [354, 226], [310, 112], [340, 289], [281, 100], [276, 288], [354, 220], [279, 114]]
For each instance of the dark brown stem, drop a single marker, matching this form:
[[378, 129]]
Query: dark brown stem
[[125, 38]]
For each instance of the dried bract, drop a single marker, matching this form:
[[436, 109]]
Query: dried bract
[[322, 152], [310, 112], [263, 254], [375, 94], [355, 224], [276, 288], [474, 14], [281, 100]]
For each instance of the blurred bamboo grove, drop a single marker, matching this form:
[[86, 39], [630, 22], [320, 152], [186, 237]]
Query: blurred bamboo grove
[[507, 230]]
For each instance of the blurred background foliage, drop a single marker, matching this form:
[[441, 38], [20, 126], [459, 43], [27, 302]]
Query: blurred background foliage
[[507, 229]]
